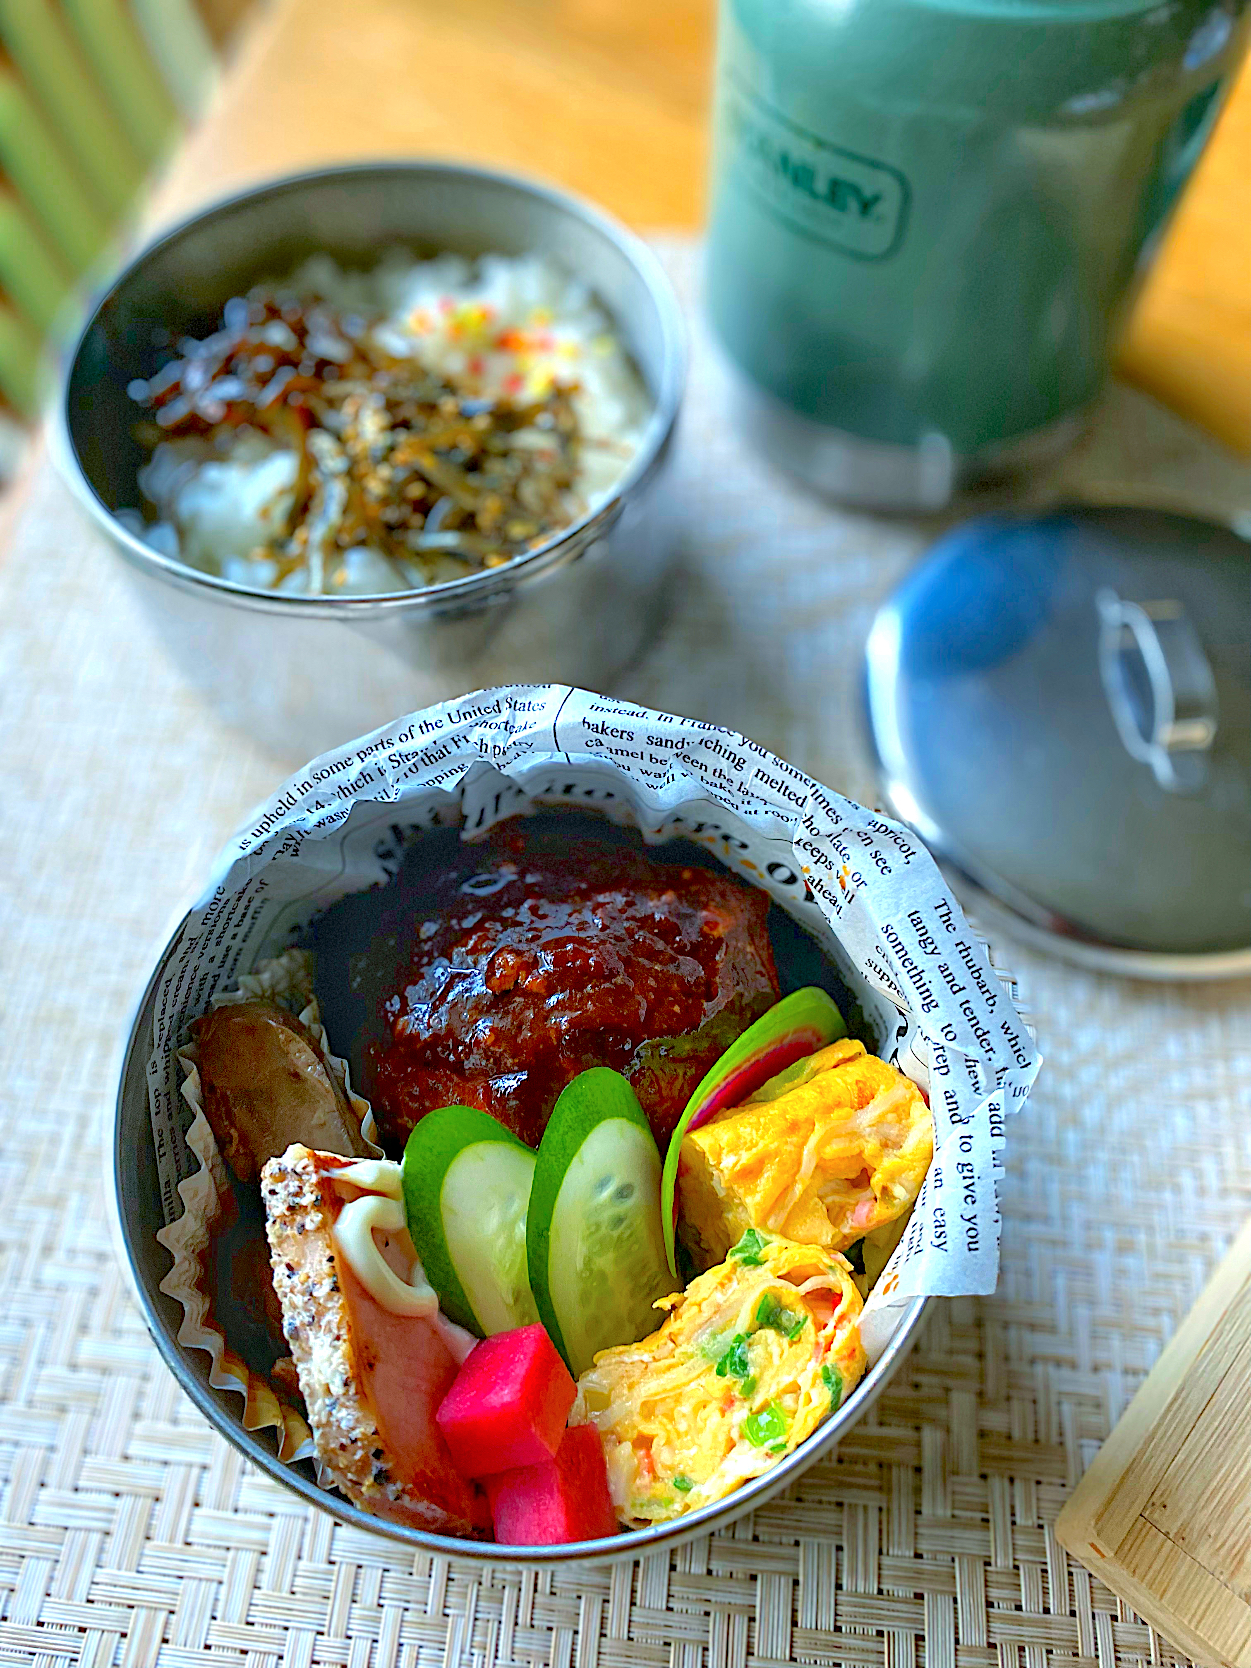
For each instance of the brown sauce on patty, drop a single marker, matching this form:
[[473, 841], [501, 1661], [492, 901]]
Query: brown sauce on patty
[[531, 957]]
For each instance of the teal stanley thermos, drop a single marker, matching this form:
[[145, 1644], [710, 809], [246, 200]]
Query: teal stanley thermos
[[927, 218]]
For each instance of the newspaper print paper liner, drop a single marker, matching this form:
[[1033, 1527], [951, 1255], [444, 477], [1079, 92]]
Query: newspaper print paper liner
[[859, 883], [207, 1200]]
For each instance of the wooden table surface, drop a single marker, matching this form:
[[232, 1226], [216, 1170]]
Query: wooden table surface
[[610, 98]]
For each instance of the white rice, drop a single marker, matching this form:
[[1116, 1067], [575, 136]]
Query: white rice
[[221, 503]]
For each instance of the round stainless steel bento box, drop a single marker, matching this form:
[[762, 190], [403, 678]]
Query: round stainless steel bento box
[[302, 674], [138, 1217]]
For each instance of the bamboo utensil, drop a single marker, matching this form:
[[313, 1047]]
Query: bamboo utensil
[[1163, 1516]]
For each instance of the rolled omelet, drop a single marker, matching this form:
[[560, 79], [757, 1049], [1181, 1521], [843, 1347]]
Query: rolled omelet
[[752, 1357], [825, 1154]]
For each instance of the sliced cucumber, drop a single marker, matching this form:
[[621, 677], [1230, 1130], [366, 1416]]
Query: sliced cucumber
[[466, 1192], [761, 1059], [595, 1240]]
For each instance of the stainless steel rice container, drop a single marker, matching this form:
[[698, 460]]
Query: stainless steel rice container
[[302, 674]]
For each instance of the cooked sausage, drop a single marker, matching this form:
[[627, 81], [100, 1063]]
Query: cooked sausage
[[265, 1085]]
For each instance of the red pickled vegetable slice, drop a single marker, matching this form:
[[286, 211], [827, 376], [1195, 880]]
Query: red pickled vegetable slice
[[793, 1028], [563, 1499], [508, 1404]]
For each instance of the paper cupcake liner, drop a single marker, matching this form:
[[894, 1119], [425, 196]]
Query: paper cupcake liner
[[209, 1206]]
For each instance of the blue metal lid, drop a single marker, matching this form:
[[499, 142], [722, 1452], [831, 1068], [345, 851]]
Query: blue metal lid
[[1061, 707]]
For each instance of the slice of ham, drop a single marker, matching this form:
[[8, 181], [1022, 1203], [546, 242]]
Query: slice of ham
[[372, 1379]]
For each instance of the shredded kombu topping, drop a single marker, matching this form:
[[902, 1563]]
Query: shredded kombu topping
[[391, 456]]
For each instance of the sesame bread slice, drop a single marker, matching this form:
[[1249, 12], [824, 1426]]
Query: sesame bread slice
[[381, 1449]]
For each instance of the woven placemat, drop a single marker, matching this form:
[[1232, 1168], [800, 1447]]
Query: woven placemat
[[130, 1533]]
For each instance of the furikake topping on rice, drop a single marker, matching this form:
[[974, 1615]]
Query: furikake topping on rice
[[369, 451]]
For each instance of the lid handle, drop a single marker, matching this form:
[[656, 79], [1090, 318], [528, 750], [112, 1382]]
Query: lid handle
[[1159, 686]]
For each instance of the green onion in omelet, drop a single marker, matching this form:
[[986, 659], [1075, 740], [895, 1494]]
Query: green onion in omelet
[[753, 1355]]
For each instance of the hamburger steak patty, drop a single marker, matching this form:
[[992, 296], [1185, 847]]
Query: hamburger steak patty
[[532, 959]]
